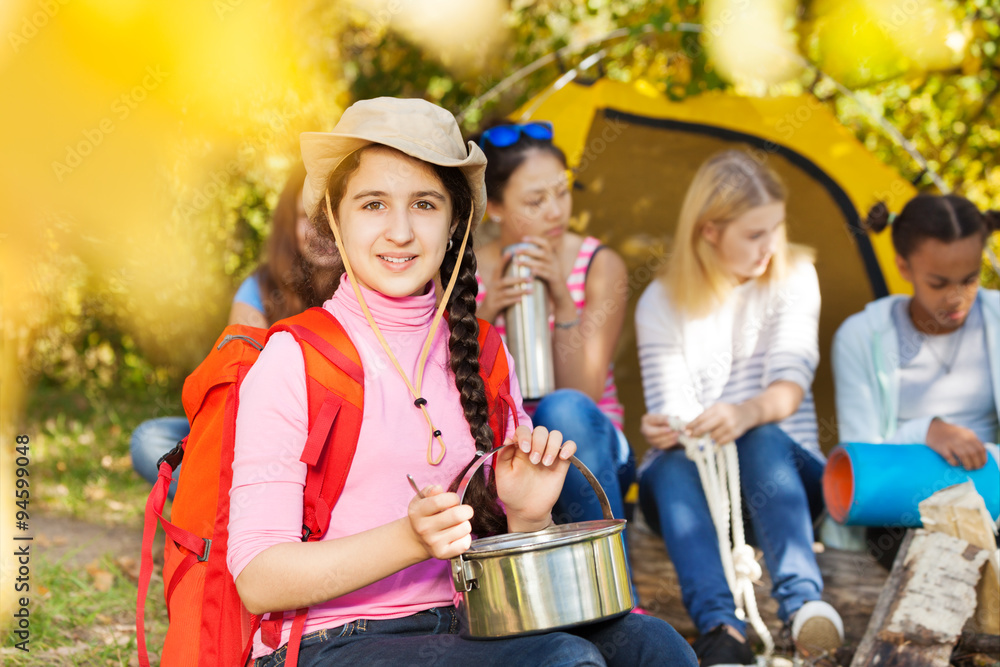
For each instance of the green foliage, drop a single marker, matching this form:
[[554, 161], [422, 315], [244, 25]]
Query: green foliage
[[90, 354], [951, 117], [91, 337], [377, 61], [78, 339]]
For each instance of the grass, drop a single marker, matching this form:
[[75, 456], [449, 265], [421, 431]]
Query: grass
[[84, 614]]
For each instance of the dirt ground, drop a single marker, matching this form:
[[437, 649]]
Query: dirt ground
[[82, 542]]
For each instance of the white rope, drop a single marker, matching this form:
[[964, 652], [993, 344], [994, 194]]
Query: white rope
[[719, 470]]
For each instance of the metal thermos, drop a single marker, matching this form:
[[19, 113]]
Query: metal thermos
[[529, 337]]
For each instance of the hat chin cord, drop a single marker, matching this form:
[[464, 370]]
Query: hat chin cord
[[418, 400]]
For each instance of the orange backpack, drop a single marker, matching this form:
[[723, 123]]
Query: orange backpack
[[208, 623]]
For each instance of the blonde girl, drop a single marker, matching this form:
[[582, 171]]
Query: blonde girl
[[728, 345]]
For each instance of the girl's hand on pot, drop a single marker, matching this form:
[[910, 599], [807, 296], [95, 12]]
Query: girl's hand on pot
[[440, 524], [530, 476], [656, 429]]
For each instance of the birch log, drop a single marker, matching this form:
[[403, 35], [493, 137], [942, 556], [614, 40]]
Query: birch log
[[929, 596], [959, 511]]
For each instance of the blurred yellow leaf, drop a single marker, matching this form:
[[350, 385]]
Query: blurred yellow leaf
[[102, 579]]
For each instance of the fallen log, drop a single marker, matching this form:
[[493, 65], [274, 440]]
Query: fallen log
[[929, 596], [960, 511]]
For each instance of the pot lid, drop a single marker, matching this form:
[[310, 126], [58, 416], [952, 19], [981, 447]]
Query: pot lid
[[553, 536]]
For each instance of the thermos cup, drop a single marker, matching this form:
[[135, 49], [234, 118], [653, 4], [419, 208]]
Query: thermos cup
[[529, 337]]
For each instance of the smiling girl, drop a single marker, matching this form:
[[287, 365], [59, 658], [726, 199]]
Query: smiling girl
[[728, 343], [399, 190]]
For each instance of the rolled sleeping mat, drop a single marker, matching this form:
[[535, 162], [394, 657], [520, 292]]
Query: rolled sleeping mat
[[882, 485]]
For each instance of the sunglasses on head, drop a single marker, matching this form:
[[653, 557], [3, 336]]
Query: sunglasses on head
[[502, 136]]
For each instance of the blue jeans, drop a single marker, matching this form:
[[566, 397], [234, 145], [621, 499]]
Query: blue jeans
[[152, 439], [432, 638], [578, 418], [781, 494]]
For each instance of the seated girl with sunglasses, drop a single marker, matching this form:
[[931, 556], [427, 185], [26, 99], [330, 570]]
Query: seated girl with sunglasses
[[528, 197]]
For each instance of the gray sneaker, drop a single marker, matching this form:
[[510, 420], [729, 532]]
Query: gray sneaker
[[817, 629]]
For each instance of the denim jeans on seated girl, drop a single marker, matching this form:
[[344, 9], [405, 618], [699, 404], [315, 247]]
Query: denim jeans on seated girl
[[782, 493], [578, 418], [152, 439], [432, 638]]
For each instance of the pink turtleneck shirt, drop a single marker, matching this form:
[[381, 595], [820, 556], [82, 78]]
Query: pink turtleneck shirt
[[271, 429]]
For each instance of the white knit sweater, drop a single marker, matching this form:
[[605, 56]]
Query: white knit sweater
[[763, 333]]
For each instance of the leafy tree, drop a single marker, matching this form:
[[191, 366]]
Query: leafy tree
[[950, 115]]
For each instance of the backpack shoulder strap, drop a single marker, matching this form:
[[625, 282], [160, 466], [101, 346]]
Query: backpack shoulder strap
[[335, 384], [335, 389], [321, 330], [496, 377]]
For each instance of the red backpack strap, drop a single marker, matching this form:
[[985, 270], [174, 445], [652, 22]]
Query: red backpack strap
[[335, 389], [496, 377], [154, 512]]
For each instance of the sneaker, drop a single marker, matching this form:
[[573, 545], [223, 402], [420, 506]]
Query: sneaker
[[718, 647], [817, 629]]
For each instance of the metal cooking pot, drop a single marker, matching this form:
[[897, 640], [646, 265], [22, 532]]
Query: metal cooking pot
[[559, 577]]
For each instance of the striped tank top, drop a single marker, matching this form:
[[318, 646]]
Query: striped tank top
[[576, 283]]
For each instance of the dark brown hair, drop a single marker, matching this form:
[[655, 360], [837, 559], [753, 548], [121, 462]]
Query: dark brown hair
[[501, 163], [463, 345], [946, 218], [288, 283]]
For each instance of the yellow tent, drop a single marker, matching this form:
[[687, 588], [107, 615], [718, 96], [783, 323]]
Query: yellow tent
[[635, 152]]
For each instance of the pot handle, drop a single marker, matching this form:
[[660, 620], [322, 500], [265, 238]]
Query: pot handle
[[602, 497]]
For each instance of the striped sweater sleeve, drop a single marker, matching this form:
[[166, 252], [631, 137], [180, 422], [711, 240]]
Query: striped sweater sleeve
[[667, 384], [793, 350]]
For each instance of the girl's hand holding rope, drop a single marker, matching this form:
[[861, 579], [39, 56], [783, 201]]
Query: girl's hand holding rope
[[724, 422], [656, 429]]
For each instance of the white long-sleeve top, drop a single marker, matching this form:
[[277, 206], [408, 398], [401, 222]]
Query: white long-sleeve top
[[763, 333], [867, 360]]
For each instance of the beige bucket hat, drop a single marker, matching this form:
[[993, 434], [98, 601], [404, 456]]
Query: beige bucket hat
[[416, 127]]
